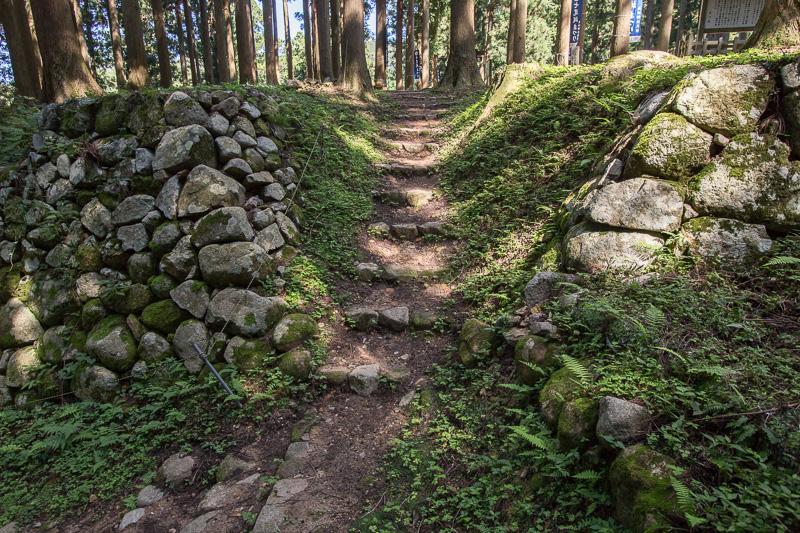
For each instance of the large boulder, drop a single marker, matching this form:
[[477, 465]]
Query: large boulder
[[643, 495], [270, 238], [189, 334], [620, 421], [95, 383], [670, 147], [365, 379], [208, 189], [727, 100], [181, 262], [184, 148], [181, 110], [576, 424], [640, 203], [544, 286], [153, 348], [532, 356], [752, 180], [589, 248], [245, 312], [247, 354], [21, 367], [112, 344], [51, 297], [622, 67], [226, 224], [193, 296], [726, 241], [132, 209], [562, 387], [52, 344], [475, 341], [791, 112], [296, 363], [18, 325], [164, 316], [96, 218], [235, 263], [292, 330]]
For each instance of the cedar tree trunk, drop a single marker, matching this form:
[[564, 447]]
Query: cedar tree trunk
[[398, 48], [307, 39], [76, 14], [288, 36], [323, 39], [336, 40], [208, 64], [620, 39], [462, 65], [116, 44], [409, 85], [162, 46], [778, 26], [562, 40], [194, 64], [181, 47], [380, 44], [355, 75], [665, 25], [425, 82], [244, 43], [269, 44], [512, 20], [520, 26], [649, 16], [138, 77]]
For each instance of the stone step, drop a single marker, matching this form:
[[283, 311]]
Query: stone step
[[414, 132], [398, 273], [364, 318], [413, 148], [401, 169], [411, 198], [410, 231]]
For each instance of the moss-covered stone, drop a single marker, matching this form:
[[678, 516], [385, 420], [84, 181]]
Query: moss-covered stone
[[534, 355], [112, 344], [22, 367], [562, 387], [161, 285], [111, 115], [164, 316], [670, 147], [88, 256], [141, 267], [272, 162], [93, 312], [422, 320], [576, 425], [51, 297], [10, 277], [51, 345], [132, 298], [292, 330], [113, 254], [95, 383], [296, 363], [477, 340], [640, 482], [284, 256], [247, 354]]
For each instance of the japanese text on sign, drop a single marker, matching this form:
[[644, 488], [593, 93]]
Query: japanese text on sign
[[731, 15], [636, 21], [576, 12]]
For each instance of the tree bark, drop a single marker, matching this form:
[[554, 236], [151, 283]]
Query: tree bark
[[221, 42], [78, 17], [307, 37], [23, 80], [275, 40], [620, 40], [398, 47], [66, 74], [208, 64], [778, 26], [426, 44], [336, 40], [288, 36], [33, 46], [562, 40], [164, 67], [244, 43], [380, 44], [314, 40], [324, 39], [512, 21], [190, 43], [409, 78], [665, 25], [116, 44], [462, 66], [681, 24], [269, 44], [598, 14], [90, 42], [520, 27], [649, 16], [226, 8], [138, 77], [355, 75], [181, 47]]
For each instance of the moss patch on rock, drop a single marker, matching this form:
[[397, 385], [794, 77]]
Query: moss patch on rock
[[164, 316]]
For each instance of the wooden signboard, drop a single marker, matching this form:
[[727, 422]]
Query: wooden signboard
[[724, 16]]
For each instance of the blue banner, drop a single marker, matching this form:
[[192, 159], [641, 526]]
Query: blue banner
[[636, 21], [576, 13], [417, 67]]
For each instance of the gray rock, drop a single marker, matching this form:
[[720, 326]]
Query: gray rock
[[193, 296], [52, 345], [435, 227], [153, 348], [153, 220], [112, 344], [365, 379], [266, 145], [727, 100], [273, 192], [790, 76], [131, 518], [361, 318], [288, 228], [227, 149], [649, 107], [112, 152], [418, 197], [367, 271], [405, 231], [185, 147], [181, 110], [236, 263], [589, 248], [96, 218], [228, 107], [231, 465], [189, 333], [621, 420], [165, 237], [45, 175], [143, 163], [88, 286], [726, 241], [201, 524], [207, 189], [85, 173], [217, 124], [133, 237], [133, 209], [226, 224], [395, 318], [791, 113], [244, 140], [270, 519], [51, 297], [670, 147], [270, 238], [223, 496], [181, 262], [544, 329], [18, 325], [60, 190], [291, 331], [60, 256], [286, 176], [245, 312], [148, 496], [250, 111], [95, 383], [257, 179], [238, 168], [263, 218], [246, 354], [176, 469], [22, 366], [243, 125], [167, 199], [544, 286], [639, 203], [62, 165], [379, 229], [253, 158]]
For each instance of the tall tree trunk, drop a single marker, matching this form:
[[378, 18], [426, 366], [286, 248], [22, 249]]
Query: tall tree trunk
[[398, 47], [520, 27], [409, 85], [649, 16], [288, 36], [275, 40], [269, 43], [562, 40], [324, 39], [23, 76], [66, 74], [116, 44], [32, 46], [778, 26], [162, 46], [620, 40], [78, 17], [181, 47], [599, 15], [138, 77], [91, 45], [512, 20], [221, 42], [190, 44], [665, 25], [208, 64], [307, 37], [336, 40], [355, 75], [232, 64], [380, 44], [425, 82], [681, 24], [462, 65], [314, 40], [244, 43]]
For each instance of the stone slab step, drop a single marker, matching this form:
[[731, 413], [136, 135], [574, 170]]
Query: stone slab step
[[364, 318], [401, 169], [410, 231], [413, 148], [398, 273], [411, 198]]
